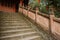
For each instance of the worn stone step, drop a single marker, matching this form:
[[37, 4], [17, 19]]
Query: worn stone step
[[21, 38], [10, 17], [5, 29], [12, 38], [17, 32], [20, 34], [32, 37], [12, 21], [13, 24], [37, 38]]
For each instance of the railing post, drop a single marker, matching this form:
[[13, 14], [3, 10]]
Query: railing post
[[22, 8], [37, 10], [28, 11], [51, 20]]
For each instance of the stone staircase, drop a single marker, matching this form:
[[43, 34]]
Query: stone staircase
[[14, 26]]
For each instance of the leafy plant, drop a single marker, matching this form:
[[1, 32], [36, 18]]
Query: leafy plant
[[56, 4], [43, 4]]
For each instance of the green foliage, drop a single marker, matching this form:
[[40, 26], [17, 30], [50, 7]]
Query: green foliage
[[56, 4], [42, 5], [57, 13], [33, 4]]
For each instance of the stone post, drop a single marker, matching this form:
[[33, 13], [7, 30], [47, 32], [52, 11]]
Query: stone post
[[22, 9], [51, 20], [28, 11], [37, 10]]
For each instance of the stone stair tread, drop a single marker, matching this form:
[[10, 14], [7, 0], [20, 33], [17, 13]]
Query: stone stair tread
[[17, 35], [16, 30], [20, 38], [13, 27], [25, 36], [12, 20], [38, 38], [3, 29], [13, 23], [29, 38]]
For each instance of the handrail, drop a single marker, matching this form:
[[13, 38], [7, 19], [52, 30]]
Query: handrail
[[57, 20], [40, 13], [51, 19]]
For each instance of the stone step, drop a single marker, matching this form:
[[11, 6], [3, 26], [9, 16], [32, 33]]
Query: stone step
[[17, 32], [13, 27], [37, 38], [3, 21], [14, 24], [21, 38], [20, 34], [10, 17], [10, 14], [3, 29], [29, 38]]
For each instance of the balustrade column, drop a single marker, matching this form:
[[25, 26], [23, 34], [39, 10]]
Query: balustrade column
[[51, 21], [28, 11], [22, 9], [37, 10]]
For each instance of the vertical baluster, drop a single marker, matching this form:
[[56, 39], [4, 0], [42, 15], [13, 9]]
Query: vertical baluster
[[51, 20], [37, 10], [28, 11], [22, 8]]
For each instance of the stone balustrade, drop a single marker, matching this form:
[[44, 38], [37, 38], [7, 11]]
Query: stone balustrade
[[47, 22]]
